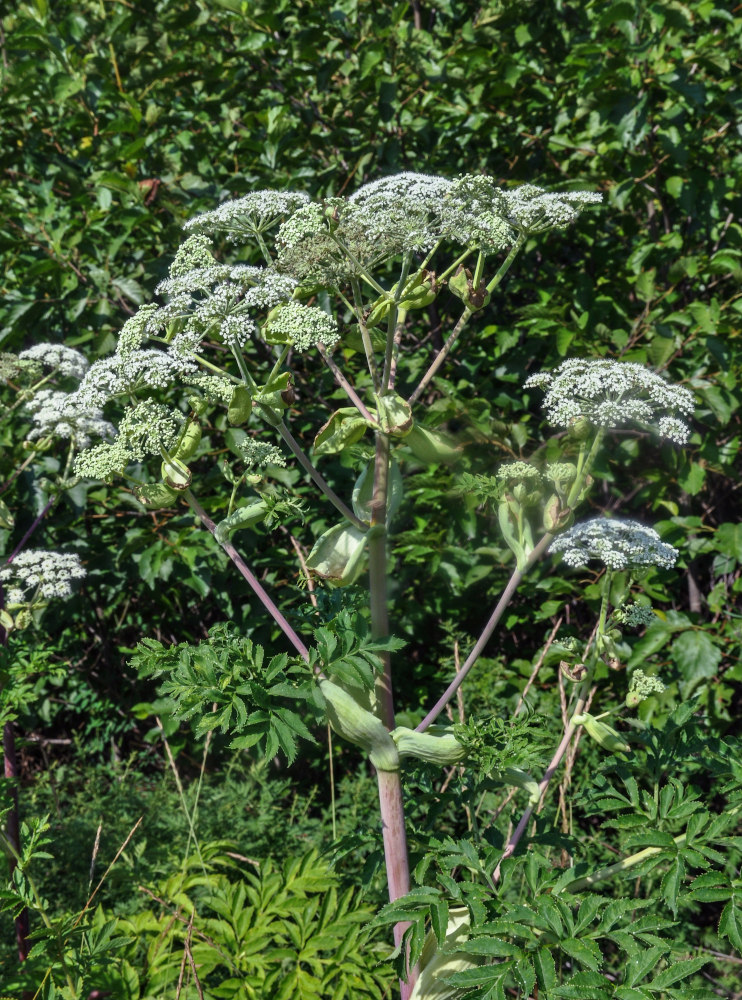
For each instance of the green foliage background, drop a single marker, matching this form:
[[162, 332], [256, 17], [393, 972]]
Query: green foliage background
[[121, 121]]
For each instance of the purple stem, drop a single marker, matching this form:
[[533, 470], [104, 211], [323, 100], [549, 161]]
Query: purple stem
[[245, 570], [489, 628]]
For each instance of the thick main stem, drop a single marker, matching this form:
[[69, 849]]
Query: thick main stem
[[391, 803]]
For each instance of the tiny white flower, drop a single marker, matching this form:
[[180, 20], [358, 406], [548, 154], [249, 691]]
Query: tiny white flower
[[617, 544], [58, 414], [243, 218], [521, 471], [34, 573], [613, 394], [66, 360], [532, 209], [303, 326], [258, 454]]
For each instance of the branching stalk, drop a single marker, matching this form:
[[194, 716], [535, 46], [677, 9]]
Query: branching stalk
[[344, 384], [505, 598], [318, 478], [247, 573]]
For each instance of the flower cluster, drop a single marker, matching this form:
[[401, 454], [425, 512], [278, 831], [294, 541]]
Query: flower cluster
[[518, 472], [56, 414], [475, 214], [532, 210], [244, 218], [617, 544], [302, 326], [641, 687], [258, 454], [37, 574], [634, 615], [146, 428], [123, 374], [613, 394], [11, 366], [407, 210], [65, 360], [338, 239]]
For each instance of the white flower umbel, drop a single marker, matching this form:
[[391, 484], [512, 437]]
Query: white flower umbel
[[475, 214], [614, 394], [244, 218], [56, 414], [617, 544], [405, 209], [147, 428], [641, 687], [258, 454], [310, 245], [634, 615], [520, 472], [103, 460], [302, 326], [215, 388], [120, 375], [65, 360], [530, 209], [35, 573]]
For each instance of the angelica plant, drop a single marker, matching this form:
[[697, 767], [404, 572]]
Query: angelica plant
[[345, 278]]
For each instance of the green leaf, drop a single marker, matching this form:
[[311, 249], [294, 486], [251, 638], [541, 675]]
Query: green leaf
[[584, 950], [491, 947], [672, 883], [728, 539], [639, 966], [730, 923], [545, 966], [677, 972], [696, 656], [525, 975]]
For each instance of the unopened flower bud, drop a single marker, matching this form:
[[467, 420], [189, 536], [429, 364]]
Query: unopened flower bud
[[553, 513], [432, 447], [240, 406], [419, 292], [23, 619], [580, 429], [189, 442], [603, 734]]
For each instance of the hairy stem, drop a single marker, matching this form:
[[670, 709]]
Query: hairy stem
[[247, 573]]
